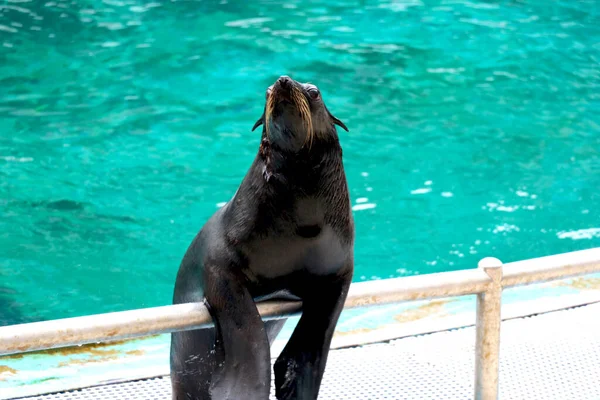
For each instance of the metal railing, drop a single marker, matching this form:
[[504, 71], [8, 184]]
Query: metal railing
[[487, 282]]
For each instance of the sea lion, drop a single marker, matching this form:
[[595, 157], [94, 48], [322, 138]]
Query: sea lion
[[287, 231]]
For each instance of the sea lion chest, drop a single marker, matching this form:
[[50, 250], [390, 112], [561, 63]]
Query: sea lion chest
[[303, 240]]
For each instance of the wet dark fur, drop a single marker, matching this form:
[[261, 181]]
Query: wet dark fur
[[288, 228]]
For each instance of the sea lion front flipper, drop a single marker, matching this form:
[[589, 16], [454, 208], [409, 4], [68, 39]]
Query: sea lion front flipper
[[300, 366], [242, 346]]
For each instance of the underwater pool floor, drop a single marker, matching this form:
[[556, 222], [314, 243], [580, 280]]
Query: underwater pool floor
[[555, 355]]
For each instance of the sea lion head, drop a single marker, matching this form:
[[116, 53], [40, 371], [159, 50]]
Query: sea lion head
[[295, 115]]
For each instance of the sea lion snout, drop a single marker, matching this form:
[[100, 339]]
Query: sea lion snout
[[284, 81], [282, 88]]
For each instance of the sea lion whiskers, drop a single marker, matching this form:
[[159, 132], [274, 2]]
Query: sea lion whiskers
[[269, 112], [304, 108], [299, 101]]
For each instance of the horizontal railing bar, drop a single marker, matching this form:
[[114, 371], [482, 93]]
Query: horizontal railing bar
[[549, 268], [158, 320], [417, 287], [119, 325]]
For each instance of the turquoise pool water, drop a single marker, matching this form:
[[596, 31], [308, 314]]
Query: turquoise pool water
[[474, 131]]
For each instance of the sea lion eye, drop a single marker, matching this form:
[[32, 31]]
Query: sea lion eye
[[314, 93]]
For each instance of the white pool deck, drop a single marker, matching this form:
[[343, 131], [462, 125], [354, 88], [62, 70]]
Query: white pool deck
[[554, 355]]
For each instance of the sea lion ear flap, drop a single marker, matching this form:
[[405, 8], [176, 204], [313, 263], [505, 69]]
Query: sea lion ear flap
[[258, 123], [338, 122]]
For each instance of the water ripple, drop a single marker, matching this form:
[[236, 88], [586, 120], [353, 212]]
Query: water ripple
[[124, 125]]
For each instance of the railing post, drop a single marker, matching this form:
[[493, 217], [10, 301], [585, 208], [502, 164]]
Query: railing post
[[488, 333]]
